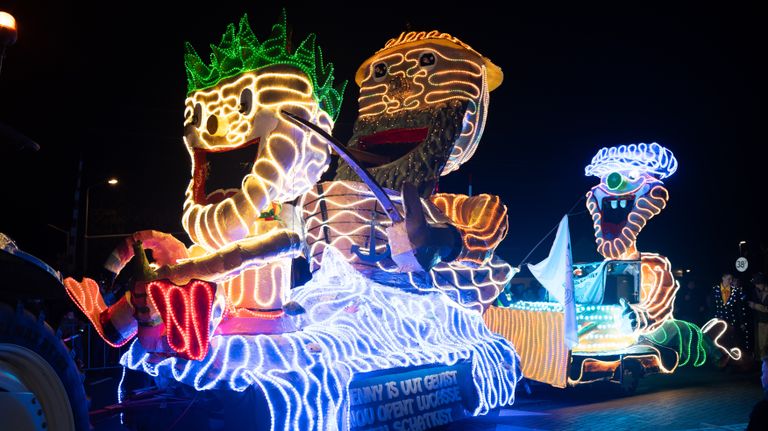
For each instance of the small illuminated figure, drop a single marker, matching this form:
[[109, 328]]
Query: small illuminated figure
[[422, 110], [630, 193], [248, 164]]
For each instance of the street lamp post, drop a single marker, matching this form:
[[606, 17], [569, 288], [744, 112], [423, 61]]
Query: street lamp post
[[112, 182], [741, 251]]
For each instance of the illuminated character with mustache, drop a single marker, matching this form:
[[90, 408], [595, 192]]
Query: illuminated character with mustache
[[245, 239], [629, 194], [248, 164], [422, 110]]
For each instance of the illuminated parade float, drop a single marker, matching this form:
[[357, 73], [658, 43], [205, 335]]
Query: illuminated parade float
[[388, 332], [610, 320], [400, 320]]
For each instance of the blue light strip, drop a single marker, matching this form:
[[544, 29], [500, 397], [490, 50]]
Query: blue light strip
[[351, 325]]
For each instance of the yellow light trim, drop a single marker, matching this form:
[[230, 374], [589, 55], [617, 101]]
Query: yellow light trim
[[624, 247], [7, 20], [647, 361], [428, 89], [657, 292], [482, 220], [422, 39], [289, 161], [538, 336]]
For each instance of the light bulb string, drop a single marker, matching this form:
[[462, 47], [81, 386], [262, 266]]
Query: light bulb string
[[550, 231]]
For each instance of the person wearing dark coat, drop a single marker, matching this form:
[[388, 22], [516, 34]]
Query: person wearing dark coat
[[760, 309], [729, 302]]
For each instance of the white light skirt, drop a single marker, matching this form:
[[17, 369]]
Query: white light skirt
[[352, 325]]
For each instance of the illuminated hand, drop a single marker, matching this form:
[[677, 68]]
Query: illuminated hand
[[184, 310], [416, 244], [630, 313]]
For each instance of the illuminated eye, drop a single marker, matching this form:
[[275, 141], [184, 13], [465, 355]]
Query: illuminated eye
[[197, 115], [615, 181], [379, 71], [246, 101], [427, 60]]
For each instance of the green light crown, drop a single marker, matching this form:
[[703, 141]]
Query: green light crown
[[240, 51]]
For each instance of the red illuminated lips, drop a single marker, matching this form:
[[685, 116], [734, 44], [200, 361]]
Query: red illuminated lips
[[390, 145]]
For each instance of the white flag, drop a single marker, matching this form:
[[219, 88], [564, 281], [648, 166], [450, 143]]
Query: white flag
[[555, 273]]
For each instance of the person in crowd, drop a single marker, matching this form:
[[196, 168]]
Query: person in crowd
[[760, 310], [728, 299]]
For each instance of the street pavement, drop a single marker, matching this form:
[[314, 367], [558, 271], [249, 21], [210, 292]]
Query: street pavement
[[690, 399]]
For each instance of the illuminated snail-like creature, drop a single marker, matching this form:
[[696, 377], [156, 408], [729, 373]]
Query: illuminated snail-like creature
[[422, 110], [630, 193], [248, 163]]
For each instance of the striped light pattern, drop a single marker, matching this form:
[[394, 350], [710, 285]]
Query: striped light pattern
[[351, 326], [289, 161], [651, 159], [538, 336], [339, 213], [646, 207], [657, 292], [458, 73]]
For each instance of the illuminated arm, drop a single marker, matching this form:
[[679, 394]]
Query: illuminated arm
[[657, 292], [476, 276], [252, 252], [481, 220]]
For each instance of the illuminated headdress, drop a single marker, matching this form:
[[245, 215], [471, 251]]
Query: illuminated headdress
[[240, 51], [495, 75], [651, 158]]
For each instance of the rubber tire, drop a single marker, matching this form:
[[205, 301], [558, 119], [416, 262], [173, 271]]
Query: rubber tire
[[24, 330]]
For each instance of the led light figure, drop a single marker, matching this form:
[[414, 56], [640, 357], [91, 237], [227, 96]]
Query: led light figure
[[246, 234], [235, 106], [630, 193], [248, 162], [423, 106], [422, 109]]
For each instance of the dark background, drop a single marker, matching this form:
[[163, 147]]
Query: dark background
[[105, 83]]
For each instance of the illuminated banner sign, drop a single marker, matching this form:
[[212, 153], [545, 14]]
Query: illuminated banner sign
[[410, 401]]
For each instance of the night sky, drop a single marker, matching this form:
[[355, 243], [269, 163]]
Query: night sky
[[107, 83]]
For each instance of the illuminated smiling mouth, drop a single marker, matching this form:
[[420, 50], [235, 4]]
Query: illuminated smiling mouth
[[411, 145], [389, 145], [219, 173], [616, 210]]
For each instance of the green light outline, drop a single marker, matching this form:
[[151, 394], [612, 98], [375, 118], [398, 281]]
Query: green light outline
[[240, 51]]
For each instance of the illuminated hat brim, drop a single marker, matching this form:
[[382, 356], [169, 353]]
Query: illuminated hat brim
[[495, 75]]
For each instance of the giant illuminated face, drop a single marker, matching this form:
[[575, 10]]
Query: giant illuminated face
[[246, 157], [629, 194], [422, 109]]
